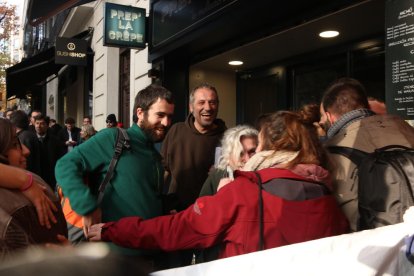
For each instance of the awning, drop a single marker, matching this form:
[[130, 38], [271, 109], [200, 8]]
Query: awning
[[35, 70], [31, 72], [41, 10]]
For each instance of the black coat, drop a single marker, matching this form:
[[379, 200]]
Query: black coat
[[50, 151], [63, 136]]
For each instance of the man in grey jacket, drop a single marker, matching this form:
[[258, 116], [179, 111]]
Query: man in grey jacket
[[352, 124]]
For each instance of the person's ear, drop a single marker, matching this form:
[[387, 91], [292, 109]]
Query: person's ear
[[140, 114], [190, 107], [331, 117]]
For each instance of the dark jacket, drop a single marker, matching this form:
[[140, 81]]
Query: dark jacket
[[54, 130], [231, 218], [63, 136], [50, 152], [19, 223], [212, 181], [188, 156]]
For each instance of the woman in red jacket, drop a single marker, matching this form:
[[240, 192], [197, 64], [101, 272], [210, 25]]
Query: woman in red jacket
[[292, 204]]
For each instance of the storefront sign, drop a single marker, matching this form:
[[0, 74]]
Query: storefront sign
[[71, 51], [124, 26], [399, 58]]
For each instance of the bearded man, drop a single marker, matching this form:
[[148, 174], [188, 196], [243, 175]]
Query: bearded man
[[134, 189], [188, 153]]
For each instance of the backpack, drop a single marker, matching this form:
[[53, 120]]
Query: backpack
[[73, 220], [385, 183]]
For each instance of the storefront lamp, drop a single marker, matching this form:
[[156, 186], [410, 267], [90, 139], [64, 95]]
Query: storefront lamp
[[235, 62], [328, 34]]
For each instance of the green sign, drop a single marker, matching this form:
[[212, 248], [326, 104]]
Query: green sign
[[124, 26]]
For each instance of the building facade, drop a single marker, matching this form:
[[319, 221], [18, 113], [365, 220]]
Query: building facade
[[286, 64]]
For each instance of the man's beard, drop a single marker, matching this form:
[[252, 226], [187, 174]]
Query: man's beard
[[152, 130]]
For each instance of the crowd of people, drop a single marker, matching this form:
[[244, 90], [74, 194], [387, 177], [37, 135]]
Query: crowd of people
[[211, 191]]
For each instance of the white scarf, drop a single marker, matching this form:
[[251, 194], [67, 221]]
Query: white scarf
[[269, 159]]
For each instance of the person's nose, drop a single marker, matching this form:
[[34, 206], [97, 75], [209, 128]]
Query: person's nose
[[25, 151], [207, 106], [166, 121]]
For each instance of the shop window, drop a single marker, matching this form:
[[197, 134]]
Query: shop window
[[311, 79], [369, 68]]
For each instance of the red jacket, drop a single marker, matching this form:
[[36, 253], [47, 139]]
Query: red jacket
[[231, 218]]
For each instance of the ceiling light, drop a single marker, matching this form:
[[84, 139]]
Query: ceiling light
[[235, 62], [328, 34]]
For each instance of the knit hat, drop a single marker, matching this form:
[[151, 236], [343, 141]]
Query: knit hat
[[111, 118]]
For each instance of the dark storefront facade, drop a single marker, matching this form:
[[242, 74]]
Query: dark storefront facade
[[285, 65]]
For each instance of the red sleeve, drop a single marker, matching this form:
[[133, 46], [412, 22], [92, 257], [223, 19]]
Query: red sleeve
[[201, 225]]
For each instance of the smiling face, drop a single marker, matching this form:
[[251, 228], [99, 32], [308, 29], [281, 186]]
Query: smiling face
[[17, 154], [204, 108], [156, 120]]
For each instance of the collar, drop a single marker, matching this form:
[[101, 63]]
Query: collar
[[347, 119], [269, 159]]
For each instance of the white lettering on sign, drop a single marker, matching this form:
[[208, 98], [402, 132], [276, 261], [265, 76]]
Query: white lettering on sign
[[125, 31], [70, 54], [126, 36], [121, 15]]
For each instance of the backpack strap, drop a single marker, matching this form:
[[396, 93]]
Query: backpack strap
[[261, 230], [355, 155], [122, 141], [393, 147]]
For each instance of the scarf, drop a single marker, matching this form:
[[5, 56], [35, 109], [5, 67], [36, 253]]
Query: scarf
[[347, 119], [269, 159]]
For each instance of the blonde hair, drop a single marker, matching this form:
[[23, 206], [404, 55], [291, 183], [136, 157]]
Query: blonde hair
[[89, 130], [231, 146]]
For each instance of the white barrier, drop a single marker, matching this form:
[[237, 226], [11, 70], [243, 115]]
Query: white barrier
[[373, 252]]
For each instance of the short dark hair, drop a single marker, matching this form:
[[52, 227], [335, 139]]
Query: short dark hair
[[42, 117], [148, 96], [35, 110], [345, 95], [69, 120], [20, 119]]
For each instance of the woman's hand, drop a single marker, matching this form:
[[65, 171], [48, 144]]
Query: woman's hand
[[44, 206], [94, 233]]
